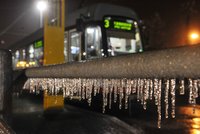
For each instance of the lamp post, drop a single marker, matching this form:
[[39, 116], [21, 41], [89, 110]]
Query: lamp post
[[41, 6]]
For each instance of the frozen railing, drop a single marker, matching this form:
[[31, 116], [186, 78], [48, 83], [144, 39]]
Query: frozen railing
[[148, 75]]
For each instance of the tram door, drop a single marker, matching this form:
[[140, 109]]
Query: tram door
[[75, 45]]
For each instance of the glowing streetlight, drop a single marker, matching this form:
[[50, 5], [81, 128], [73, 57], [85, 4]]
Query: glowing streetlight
[[194, 36], [41, 6]]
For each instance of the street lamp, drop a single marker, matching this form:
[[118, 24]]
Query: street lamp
[[194, 37], [41, 6]]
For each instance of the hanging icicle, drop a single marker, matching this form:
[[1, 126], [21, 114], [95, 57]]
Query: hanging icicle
[[159, 103], [146, 93], [118, 90], [156, 91], [173, 96], [150, 89], [182, 87], [166, 98]]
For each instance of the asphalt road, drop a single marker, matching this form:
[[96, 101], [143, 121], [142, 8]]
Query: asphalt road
[[28, 118]]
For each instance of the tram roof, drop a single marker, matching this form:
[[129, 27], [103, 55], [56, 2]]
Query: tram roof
[[97, 12]]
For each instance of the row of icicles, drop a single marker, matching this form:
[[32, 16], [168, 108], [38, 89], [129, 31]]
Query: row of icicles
[[145, 89]]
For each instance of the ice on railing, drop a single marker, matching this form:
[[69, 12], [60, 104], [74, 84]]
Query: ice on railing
[[118, 90]]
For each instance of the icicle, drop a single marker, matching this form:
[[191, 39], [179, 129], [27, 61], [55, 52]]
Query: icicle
[[70, 88], [159, 103], [127, 92], [75, 87], [182, 87], [44, 83], [99, 83], [166, 98], [86, 89], [150, 89], [146, 93], [142, 91], [198, 86], [195, 88], [64, 87], [105, 93], [134, 86], [173, 96], [115, 90], [79, 88], [195, 94], [95, 87], [83, 82], [32, 85], [27, 84], [58, 85], [110, 93], [190, 91], [121, 93], [89, 91], [36, 84], [67, 88], [156, 91], [138, 89]]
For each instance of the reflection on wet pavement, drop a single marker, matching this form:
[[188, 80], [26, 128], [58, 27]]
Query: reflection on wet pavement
[[186, 121], [190, 118]]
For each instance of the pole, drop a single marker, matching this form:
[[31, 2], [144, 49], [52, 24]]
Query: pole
[[41, 17]]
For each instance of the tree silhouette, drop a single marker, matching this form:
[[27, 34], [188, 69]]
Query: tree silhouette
[[155, 32]]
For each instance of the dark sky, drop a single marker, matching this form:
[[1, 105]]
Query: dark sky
[[20, 17]]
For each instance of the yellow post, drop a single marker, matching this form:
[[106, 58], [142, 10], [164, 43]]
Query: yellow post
[[54, 28], [54, 32], [53, 102]]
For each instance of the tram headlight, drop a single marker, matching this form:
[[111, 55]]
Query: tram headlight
[[84, 53]]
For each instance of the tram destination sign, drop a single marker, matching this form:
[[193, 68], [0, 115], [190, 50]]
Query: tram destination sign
[[119, 24], [38, 44]]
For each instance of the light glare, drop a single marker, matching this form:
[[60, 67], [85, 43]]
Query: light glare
[[42, 5], [194, 36]]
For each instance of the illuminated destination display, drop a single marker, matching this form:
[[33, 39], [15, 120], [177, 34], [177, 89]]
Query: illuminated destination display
[[38, 44], [122, 24]]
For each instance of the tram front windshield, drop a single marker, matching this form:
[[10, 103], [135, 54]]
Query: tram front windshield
[[123, 37]]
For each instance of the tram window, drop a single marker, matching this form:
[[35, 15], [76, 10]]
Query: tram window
[[66, 46], [93, 42], [38, 55], [16, 56], [31, 52], [75, 46], [23, 54], [31, 58], [123, 43]]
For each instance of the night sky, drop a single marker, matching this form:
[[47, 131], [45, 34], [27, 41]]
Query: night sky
[[167, 21]]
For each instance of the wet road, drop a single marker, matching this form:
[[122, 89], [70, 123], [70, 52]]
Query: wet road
[[28, 118], [186, 122]]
